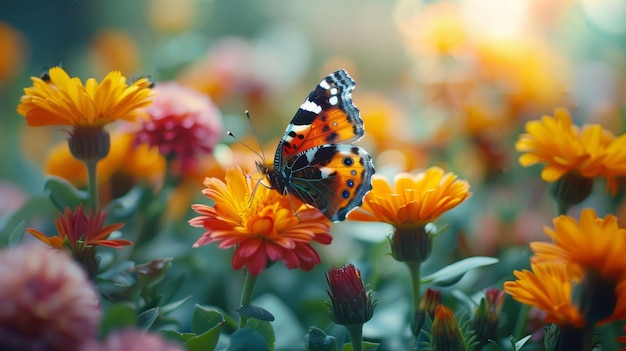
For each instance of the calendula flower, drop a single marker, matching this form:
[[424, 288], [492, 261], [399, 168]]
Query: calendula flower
[[182, 123], [63, 100], [12, 45], [46, 301], [80, 233], [446, 334], [570, 153], [549, 287], [487, 315], [413, 199], [262, 225], [427, 306], [134, 340]]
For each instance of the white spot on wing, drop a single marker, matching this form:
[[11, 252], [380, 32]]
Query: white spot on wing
[[311, 106], [324, 84], [310, 154], [333, 100], [334, 91], [326, 172], [294, 128]]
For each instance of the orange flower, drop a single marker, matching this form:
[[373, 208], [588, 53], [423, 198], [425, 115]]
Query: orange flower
[[564, 148], [66, 101], [260, 223], [549, 287], [12, 45], [414, 199], [77, 230], [594, 243]]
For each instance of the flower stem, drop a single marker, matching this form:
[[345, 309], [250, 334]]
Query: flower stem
[[356, 336], [92, 183], [520, 324], [246, 295], [414, 269]]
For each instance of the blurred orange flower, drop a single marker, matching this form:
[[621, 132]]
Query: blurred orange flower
[[66, 101], [413, 199], [260, 223], [12, 48], [114, 50]]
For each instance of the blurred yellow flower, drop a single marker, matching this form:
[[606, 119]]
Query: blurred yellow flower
[[114, 50], [66, 101], [413, 199]]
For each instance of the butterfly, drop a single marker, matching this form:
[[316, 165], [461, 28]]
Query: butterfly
[[315, 160]]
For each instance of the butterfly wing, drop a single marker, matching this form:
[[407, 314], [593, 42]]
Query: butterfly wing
[[327, 116], [334, 178]]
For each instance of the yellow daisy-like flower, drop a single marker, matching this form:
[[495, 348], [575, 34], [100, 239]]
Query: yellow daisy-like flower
[[549, 287], [62, 100], [413, 199], [562, 147], [260, 223], [594, 243]]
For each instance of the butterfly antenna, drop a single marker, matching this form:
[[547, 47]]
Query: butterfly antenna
[[256, 136], [244, 144]]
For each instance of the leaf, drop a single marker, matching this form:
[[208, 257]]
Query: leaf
[[117, 316], [38, 206], [127, 205], [17, 234], [205, 341], [453, 273], [147, 318], [517, 345], [259, 313], [247, 339], [176, 335], [63, 194], [265, 329], [122, 274], [170, 307], [205, 318], [318, 340]]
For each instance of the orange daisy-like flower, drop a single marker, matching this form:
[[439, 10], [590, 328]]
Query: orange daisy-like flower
[[549, 287], [594, 243], [563, 147], [260, 223], [78, 230], [62, 100], [414, 199]]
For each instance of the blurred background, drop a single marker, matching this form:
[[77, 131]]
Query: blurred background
[[439, 83]]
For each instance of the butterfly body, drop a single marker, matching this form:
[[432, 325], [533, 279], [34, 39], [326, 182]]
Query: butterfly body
[[314, 160]]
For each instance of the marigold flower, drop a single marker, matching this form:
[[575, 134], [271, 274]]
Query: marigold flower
[[564, 148], [46, 301], [349, 303], [181, 123], [12, 45], [134, 340], [548, 286], [62, 100], [446, 334], [260, 223], [414, 199]]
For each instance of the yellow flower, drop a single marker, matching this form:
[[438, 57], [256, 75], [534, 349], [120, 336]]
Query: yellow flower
[[594, 243], [549, 287], [66, 101], [414, 199], [565, 148], [260, 223]]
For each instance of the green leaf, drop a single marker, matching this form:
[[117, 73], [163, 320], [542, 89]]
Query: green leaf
[[205, 318], [122, 274], [318, 340], [205, 341], [117, 316], [38, 206], [265, 329], [147, 318], [172, 306], [63, 194], [517, 345], [259, 313], [17, 234], [176, 335], [127, 205], [247, 339], [453, 273]]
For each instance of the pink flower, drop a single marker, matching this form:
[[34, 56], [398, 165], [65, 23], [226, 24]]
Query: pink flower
[[134, 340], [46, 301], [182, 123]]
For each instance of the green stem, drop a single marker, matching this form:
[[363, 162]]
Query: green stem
[[92, 183], [356, 336], [414, 269], [246, 295], [520, 324]]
